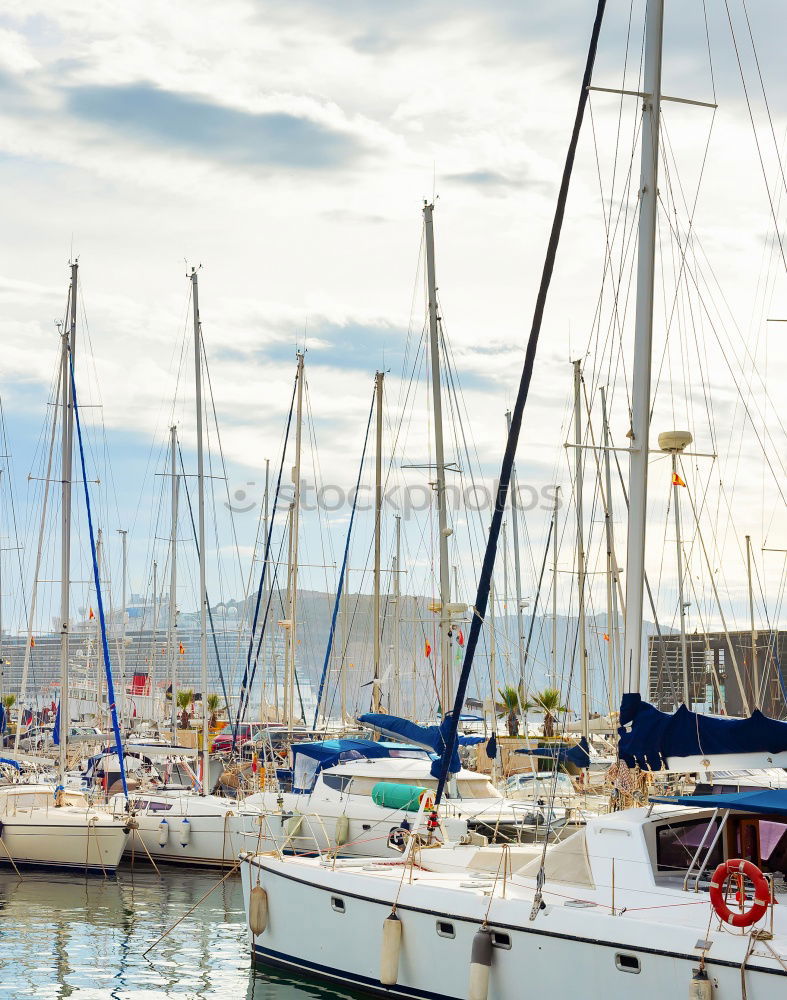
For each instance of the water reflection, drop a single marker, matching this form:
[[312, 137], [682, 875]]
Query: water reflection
[[66, 936]]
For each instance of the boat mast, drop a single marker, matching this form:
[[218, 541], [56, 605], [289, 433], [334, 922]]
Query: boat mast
[[684, 650], [378, 506], [292, 576], [613, 574], [203, 589], [639, 432], [265, 526], [755, 667], [520, 621], [397, 596], [554, 588], [173, 574], [67, 359], [579, 486], [447, 682], [123, 715]]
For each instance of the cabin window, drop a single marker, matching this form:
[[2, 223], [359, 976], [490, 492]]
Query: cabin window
[[677, 843], [337, 903], [152, 805], [445, 929], [627, 963], [338, 782], [501, 940]]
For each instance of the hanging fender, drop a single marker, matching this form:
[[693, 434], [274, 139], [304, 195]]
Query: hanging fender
[[258, 910], [163, 833], [185, 832], [762, 893]]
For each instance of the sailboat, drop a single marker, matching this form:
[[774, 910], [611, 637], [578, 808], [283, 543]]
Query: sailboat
[[48, 824], [186, 825], [677, 895]]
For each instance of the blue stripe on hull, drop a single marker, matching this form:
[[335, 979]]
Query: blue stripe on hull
[[372, 987]]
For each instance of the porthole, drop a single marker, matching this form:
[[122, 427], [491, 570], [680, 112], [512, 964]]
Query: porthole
[[445, 929], [337, 903], [627, 963]]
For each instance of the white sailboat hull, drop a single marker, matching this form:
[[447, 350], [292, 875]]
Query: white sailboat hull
[[63, 841], [565, 952], [216, 831]]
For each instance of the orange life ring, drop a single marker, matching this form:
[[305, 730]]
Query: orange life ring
[[762, 893]]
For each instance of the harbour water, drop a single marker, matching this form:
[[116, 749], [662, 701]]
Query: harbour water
[[62, 935]]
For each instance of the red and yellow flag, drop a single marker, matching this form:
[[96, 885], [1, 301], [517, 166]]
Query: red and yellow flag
[[427, 649], [676, 480], [181, 650], [90, 616]]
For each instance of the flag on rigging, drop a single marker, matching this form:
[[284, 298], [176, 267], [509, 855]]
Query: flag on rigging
[[181, 648], [460, 637], [427, 649], [90, 616], [676, 480]]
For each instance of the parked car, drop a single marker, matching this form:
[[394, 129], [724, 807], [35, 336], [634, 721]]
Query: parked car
[[223, 742], [37, 738]]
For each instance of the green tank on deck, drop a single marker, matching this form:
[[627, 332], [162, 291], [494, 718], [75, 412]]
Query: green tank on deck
[[392, 796]]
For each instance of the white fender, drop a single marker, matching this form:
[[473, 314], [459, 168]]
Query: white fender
[[185, 832], [701, 987], [293, 825], [163, 833], [342, 830], [390, 950], [258, 910], [480, 964]]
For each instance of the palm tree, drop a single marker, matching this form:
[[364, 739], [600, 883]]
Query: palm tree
[[509, 706], [213, 708], [184, 698], [549, 701], [9, 700]]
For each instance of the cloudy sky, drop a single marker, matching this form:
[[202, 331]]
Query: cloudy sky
[[288, 150]]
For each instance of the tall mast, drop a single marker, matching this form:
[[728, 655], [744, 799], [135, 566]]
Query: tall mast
[[99, 647], [447, 681], [755, 667], [292, 629], [265, 525], [155, 622], [378, 506], [643, 340], [612, 566], [173, 574], [345, 642], [579, 485], [520, 621], [554, 588], [68, 348], [397, 644], [493, 664], [203, 588], [684, 651], [123, 572]]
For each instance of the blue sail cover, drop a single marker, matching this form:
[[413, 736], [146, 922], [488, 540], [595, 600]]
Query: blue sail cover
[[654, 736], [769, 801], [575, 753], [429, 737]]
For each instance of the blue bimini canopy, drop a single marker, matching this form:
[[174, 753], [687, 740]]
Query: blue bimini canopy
[[308, 759], [768, 801], [11, 763], [428, 737], [655, 736]]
